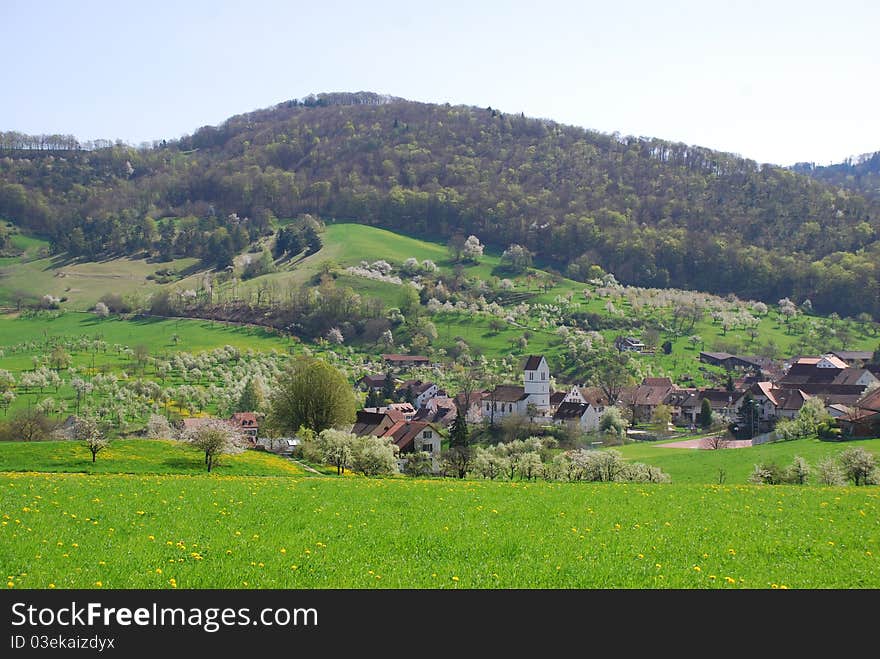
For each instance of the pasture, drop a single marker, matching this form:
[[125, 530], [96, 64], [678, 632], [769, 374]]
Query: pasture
[[172, 531]]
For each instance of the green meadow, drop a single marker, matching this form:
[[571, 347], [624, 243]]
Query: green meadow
[[685, 465], [173, 531], [137, 456]]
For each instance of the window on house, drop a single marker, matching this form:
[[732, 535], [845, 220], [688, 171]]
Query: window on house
[[543, 375], [531, 376], [427, 434], [510, 407]]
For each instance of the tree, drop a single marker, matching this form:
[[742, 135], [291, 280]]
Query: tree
[[336, 448], [489, 464], [158, 427], [456, 246], [458, 460], [797, 472], [312, 238], [458, 432], [28, 426], [609, 371], [418, 464], [388, 386], [715, 442], [215, 437], [252, 396], [374, 456], [87, 431], [59, 358], [613, 424], [141, 355], [828, 472], [515, 259], [705, 416], [661, 417], [473, 249], [529, 465], [314, 394], [859, 465], [102, 310]]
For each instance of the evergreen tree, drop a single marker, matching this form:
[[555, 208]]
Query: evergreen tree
[[705, 417], [252, 397], [313, 240], [458, 432], [388, 387], [373, 399]]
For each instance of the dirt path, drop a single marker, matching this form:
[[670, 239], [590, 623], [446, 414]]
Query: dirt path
[[699, 443]]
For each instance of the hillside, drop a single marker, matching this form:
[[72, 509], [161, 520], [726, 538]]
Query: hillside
[[653, 212], [861, 175]]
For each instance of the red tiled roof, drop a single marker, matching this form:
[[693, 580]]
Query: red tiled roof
[[404, 358]]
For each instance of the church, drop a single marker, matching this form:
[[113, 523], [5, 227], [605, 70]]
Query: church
[[513, 400]]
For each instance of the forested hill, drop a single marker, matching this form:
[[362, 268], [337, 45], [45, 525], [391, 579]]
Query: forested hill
[[861, 174], [653, 212]]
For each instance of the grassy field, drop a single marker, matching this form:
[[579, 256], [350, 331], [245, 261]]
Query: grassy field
[[137, 456], [702, 466], [137, 531], [83, 284]]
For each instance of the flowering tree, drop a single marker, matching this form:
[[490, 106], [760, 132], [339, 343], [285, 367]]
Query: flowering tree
[[473, 249], [215, 437]]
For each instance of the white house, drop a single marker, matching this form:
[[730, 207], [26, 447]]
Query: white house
[[583, 415]]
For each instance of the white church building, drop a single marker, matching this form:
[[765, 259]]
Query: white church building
[[512, 400]]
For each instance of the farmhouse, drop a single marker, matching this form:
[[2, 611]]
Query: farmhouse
[[854, 357], [247, 424], [405, 361], [417, 391], [375, 423], [374, 382], [406, 409], [864, 420], [582, 416], [629, 344], [645, 398], [512, 400]]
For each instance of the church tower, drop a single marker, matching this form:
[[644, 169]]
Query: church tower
[[536, 381]]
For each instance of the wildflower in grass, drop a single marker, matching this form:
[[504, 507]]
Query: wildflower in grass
[[730, 579], [99, 584], [697, 568], [10, 584], [732, 552], [455, 578], [51, 585], [158, 570], [283, 550], [640, 556]]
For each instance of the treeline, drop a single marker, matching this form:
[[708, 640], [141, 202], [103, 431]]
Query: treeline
[[655, 213], [861, 174]]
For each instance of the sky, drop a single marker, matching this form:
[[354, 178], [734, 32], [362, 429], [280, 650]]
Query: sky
[[777, 81]]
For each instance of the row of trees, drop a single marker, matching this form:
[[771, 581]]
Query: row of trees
[[853, 464]]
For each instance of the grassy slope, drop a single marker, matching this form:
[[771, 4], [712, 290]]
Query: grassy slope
[[75, 531], [136, 456], [702, 466]]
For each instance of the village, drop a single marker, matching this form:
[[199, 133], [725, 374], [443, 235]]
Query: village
[[417, 415]]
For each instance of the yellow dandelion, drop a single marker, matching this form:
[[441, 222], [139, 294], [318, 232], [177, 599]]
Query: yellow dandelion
[[732, 552], [151, 537], [99, 584], [641, 556], [730, 579], [455, 578], [697, 568], [293, 567], [283, 550], [229, 552], [51, 585], [10, 584], [783, 587]]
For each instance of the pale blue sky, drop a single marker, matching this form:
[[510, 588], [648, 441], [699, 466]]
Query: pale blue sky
[[776, 81]]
